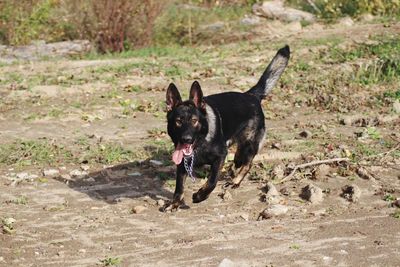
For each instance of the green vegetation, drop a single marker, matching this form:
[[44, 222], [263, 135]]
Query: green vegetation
[[334, 9], [111, 261], [25, 153]]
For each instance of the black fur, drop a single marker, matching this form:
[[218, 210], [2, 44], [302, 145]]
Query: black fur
[[210, 124]]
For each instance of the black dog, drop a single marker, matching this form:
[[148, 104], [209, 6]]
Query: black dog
[[202, 129]]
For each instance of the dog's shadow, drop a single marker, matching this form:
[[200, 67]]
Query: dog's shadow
[[128, 180]]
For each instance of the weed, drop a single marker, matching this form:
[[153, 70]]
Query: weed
[[374, 133], [107, 154], [396, 214], [389, 197], [21, 200], [55, 113], [295, 246], [31, 152]]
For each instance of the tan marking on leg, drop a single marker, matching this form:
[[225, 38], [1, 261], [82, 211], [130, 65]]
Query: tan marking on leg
[[241, 174]]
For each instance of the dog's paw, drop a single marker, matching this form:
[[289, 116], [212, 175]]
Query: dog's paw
[[230, 184], [199, 196], [174, 206]]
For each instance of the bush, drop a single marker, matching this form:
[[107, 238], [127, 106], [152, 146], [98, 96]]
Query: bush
[[333, 9]]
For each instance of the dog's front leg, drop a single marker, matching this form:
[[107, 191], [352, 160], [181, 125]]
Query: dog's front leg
[[178, 200], [211, 183]]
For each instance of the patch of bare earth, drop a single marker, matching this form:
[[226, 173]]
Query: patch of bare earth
[[85, 212]]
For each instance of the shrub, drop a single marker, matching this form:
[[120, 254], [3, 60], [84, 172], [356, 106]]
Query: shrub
[[338, 8]]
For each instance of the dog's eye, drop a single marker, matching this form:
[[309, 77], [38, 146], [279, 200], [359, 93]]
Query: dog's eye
[[178, 123], [194, 121]]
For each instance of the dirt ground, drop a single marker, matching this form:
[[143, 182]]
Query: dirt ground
[[92, 212]]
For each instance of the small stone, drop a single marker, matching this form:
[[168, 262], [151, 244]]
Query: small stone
[[227, 263], [273, 211], [138, 209], [26, 176], [244, 216], [305, 134], [60, 254], [225, 195], [312, 193], [351, 193], [271, 189], [321, 171], [156, 162], [135, 174], [77, 173], [396, 203], [396, 106], [161, 202], [278, 171], [2, 259], [90, 180], [346, 21], [61, 79], [85, 167], [363, 173], [82, 250], [51, 172], [276, 146]]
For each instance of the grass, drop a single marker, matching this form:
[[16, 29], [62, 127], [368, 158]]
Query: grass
[[20, 200], [33, 152], [111, 261]]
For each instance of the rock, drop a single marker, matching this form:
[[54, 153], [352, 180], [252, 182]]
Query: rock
[[250, 20], [321, 171], [225, 195], [156, 162], [40, 49], [227, 263], [294, 26], [346, 21], [82, 250], [278, 172], [305, 134], [396, 203], [271, 190], [77, 173], [161, 202], [134, 174], [367, 17], [396, 106], [312, 193], [351, 192], [138, 209], [273, 211], [276, 10], [364, 173], [51, 172], [244, 216], [90, 180], [85, 167], [214, 27]]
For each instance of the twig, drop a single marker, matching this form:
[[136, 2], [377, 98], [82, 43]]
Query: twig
[[311, 3], [312, 163], [384, 154]]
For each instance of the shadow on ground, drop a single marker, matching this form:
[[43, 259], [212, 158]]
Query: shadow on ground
[[129, 180]]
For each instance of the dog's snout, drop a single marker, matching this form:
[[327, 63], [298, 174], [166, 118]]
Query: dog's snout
[[187, 139]]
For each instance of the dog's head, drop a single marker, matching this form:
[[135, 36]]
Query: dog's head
[[187, 123]]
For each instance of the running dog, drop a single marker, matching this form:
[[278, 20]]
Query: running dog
[[202, 129]]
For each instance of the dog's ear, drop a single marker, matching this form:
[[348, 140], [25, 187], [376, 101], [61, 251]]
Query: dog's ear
[[196, 95], [173, 97]]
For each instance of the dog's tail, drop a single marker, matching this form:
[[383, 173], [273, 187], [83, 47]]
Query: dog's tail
[[271, 74]]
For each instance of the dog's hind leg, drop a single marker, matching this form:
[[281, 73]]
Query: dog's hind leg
[[245, 153]]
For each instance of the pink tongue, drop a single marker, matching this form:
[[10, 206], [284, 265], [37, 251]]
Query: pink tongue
[[177, 156]]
